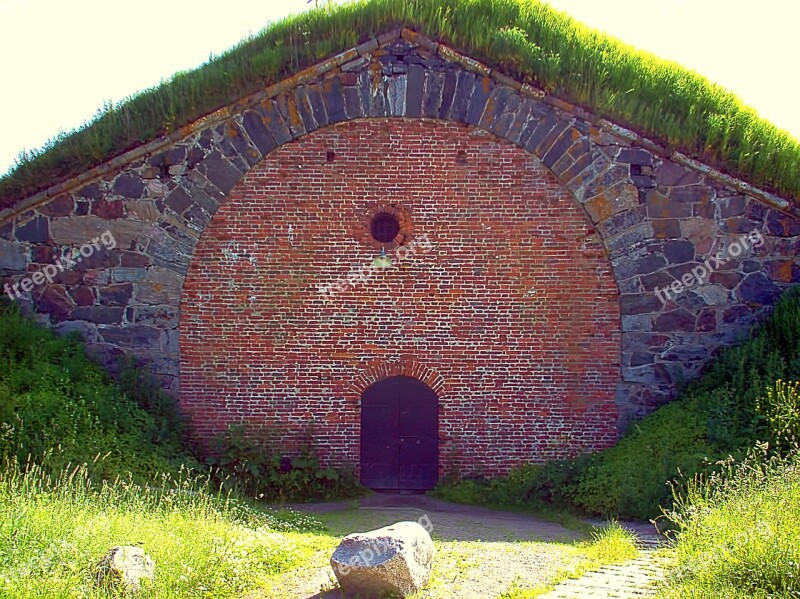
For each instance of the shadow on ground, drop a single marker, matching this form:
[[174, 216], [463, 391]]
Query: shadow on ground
[[480, 552]]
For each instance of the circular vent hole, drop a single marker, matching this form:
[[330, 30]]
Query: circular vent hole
[[385, 227]]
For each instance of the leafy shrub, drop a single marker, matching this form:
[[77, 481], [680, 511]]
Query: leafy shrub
[[252, 466], [169, 425], [630, 480], [738, 532], [535, 486], [58, 408]]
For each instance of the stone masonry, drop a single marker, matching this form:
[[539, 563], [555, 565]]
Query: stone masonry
[[655, 215]]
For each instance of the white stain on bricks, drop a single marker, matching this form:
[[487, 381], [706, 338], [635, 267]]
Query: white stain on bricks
[[234, 252]]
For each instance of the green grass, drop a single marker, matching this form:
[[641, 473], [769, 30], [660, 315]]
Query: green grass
[[523, 38], [54, 529], [739, 532]]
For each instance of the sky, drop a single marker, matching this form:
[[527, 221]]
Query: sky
[[61, 61]]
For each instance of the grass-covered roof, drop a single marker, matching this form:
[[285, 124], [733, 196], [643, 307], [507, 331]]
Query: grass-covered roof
[[522, 38]]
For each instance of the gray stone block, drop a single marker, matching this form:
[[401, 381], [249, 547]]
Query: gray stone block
[[757, 288], [316, 101], [179, 200], [641, 303], [290, 114], [129, 186], [333, 95], [637, 156], [565, 140], [98, 314], [131, 336], [162, 317], [396, 95], [478, 100], [416, 88], [678, 251], [495, 106], [448, 93], [674, 320], [35, 230], [236, 145], [352, 103], [304, 109], [504, 117], [625, 268], [274, 122], [432, 98], [463, 94], [220, 172]]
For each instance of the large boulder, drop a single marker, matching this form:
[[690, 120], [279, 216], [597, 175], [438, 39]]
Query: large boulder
[[125, 567], [393, 560]]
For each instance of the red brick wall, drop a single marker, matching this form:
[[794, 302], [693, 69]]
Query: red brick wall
[[512, 312]]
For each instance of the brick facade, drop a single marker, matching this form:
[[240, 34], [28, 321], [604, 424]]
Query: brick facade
[[655, 216], [509, 297]]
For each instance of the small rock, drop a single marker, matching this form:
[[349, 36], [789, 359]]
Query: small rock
[[394, 560], [126, 567]]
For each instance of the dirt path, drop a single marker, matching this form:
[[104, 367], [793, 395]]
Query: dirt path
[[481, 552]]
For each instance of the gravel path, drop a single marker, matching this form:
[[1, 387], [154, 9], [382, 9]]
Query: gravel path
[[480, 552]]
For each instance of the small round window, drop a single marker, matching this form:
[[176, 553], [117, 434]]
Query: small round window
[[384, 227]]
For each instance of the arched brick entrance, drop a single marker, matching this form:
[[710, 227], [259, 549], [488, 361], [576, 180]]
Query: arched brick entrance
[[503, 289]]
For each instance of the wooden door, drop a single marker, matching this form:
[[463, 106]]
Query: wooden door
[[399, 435]]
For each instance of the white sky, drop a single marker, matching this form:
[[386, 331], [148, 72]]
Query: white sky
[[60, 60]]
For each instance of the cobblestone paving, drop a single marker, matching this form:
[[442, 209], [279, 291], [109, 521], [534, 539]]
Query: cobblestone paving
[[633, 579]]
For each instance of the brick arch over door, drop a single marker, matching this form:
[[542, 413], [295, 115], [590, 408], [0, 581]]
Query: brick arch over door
[[506, 292]]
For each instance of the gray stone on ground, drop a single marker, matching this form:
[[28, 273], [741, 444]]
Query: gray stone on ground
[[125, 567], [393, 560]]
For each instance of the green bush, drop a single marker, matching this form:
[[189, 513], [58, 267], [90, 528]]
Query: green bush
[[630, 480], [530, 486], [252, 465], [738, 533], [58, 408]]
